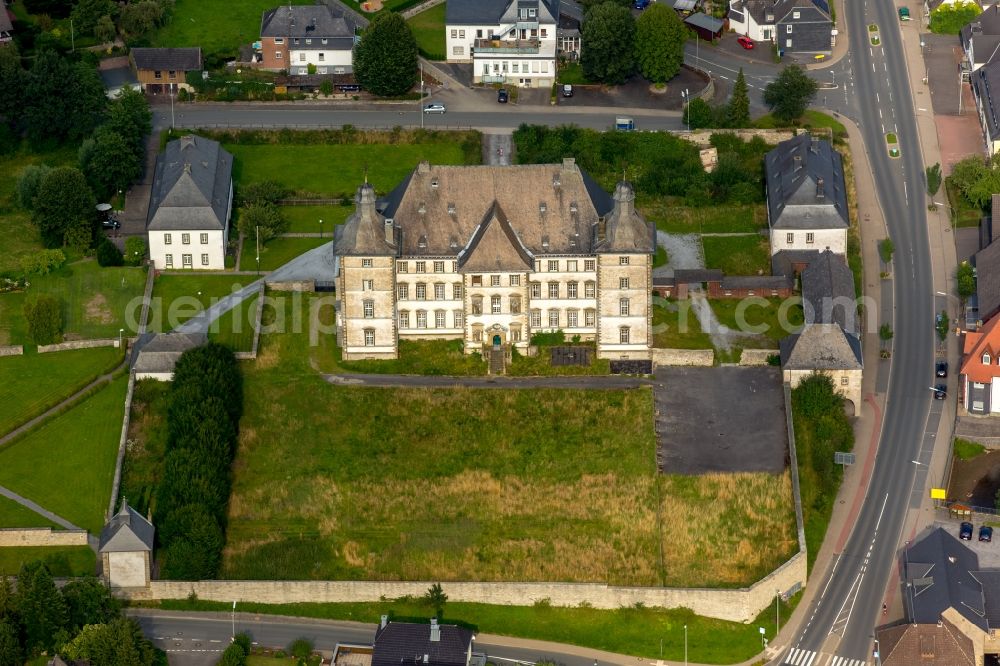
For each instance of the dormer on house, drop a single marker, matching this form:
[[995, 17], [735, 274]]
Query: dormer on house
[[979, 377], [508, 42]]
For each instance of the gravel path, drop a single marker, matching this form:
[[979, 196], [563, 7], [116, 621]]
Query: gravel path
[[683, 251]]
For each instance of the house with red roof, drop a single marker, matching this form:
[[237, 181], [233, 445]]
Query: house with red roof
[[980, 373]]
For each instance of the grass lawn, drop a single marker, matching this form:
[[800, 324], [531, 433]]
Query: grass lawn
[[387, 164], [177, 298], [428, 30], [13, 514], [966, 450], [737, 255], [810, 120], [661, 258], [675, 326], [455, 484], [62, 561], [148, 433], [963, 213], [96, 301], [572, 73], [205, 24], [235, 328], [632, 631], [79, 448], [18, 236], [305, 219], [747, 218], [35, 382], [780, 318], [277, 252]]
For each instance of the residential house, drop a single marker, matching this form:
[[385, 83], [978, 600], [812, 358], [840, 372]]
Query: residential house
[[824, 349], [981, 38], [190, 205], [507, 41], [806, 196], [986, 91], [117, 76], [828, 295], [126, 548], [491, 255], [6, 24], [951, 607], [979, 377], [705, 27], [421, 644], [162, 70], [795, 26], [157, 357], [295, 37]]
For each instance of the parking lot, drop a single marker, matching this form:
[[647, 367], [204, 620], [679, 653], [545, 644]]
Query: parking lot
[[636, 93], [729, 419], [988, 553]]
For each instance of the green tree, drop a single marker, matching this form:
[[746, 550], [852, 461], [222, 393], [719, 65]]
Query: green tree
[[326, 87], [196, 552], [135, 250], [790, 93], [976, 180], [933, 179], [699, 114], [436, 598], [886, 248], [41, 607], [29, 180], [885, 332], [301, 648], [233, 655], [949, 18], [109, 162], [63, 202], [42, 262], [966, 280], [738, 108], [385, 61], [118, 642], [265, 219], [659, 43], [88, 601], [129, 116], [139, 18], [105, 30], [13, 80], [590, 4], [86, 14], [261, 192], [44, 316], [608, 39], [11, 653], [108, 253]]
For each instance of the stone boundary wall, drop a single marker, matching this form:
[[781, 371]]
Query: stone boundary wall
[[702, 357], [15, 350], [757, 356], [292, 285], [735, 605], [423, 6], [703, 137], [122, 445], [259, 313], [41, 536], [77, 344]]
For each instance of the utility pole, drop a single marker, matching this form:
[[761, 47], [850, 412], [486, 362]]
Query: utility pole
[[257, 228], [72, 36], [172, 124]]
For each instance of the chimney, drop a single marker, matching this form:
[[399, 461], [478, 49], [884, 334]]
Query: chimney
[[819, 188], [383, 622], [814, 145], [365, 201], [569, 163], [797, 160], [390, 238], [435, 631], [424, 167], [624, 199], [602, 228], [187, 167]]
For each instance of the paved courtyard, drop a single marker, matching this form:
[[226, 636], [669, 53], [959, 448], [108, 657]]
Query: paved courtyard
[[950, 100], [728, 419]]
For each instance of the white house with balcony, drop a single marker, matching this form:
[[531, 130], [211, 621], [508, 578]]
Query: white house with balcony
[[507, 41]]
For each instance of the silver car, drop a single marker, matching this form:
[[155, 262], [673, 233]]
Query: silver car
[[436, 107]]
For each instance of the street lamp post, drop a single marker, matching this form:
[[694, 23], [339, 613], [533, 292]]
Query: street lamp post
[[878, 653], [321, 228], [257, 229], [686, 96], [685, 645], [172, 124], [777, 613], [121, 332], [234, 621], [420, 104]]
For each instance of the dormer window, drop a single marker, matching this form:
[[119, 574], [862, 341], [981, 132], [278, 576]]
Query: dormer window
[[422, 242], [451, 209], [422, 208], [434, 183], [986, 359], [542, 207], [572, 207]]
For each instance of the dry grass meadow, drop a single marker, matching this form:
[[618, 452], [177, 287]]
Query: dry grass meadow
[[335, 482]]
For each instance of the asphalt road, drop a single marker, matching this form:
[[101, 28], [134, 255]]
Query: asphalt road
[[841, 618], [205, 635]]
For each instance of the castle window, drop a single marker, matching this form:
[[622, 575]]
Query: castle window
[[536, 318], [459, 318], [421, 319], [553, 290], [495, 304], [403, 292], [369, 307], [366, 263], [456, 292], [421, 291], [623, 283], [554, 318], [515, 305], [402, 266], [589, 265], [494, 280], [439, 319], [421, 266], [477, 305], [535, 289], [404, 319], [589, 318], [439, 291], [439, 267], [623, 261], [623, 335], [623, 307], [515, 280], [571, 288], [477, 280], [369, 337], [589, 290]]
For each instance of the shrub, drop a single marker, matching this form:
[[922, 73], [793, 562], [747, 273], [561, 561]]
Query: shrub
[[29, 180], [108, 253], [301, 648], [45, 319], [548, 339], [135, 250], [886, 248], [234, 655], [263, 192], [42, 262]]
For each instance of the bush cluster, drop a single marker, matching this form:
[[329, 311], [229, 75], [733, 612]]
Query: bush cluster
[[203, 414], [657, 163], [45, 319]]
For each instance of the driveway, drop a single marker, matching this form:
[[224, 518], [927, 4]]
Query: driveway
[[951, 101]]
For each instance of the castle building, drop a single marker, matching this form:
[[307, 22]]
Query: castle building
[[492, 255]]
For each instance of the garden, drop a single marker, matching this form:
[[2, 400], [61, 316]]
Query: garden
[[428, 29], [178, 297]]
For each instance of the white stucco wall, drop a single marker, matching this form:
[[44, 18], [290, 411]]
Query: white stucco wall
[[331, 60], [833, 239], [127, 569], [215, 248]]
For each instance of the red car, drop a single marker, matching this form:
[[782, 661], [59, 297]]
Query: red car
[[745, 42]]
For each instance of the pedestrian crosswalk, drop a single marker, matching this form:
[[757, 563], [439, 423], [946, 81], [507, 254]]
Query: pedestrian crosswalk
[[798, 657]]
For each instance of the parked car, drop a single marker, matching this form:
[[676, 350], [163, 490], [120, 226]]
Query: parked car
[[348, 87], [435, 107], [624, 124], [745, 42], [941, 369], [502, 96], [940, 392], [111, 223], [986, 534], [904, 14], [640, 4], [567, 90], [965, 531]]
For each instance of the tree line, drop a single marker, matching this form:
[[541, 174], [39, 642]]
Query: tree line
[[615, 45], [82, 621], [203, 414], [103, 19]]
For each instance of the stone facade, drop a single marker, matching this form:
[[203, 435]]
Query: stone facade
[[14, 350], [41, 536], [78, 344], [757, 356], [847, 382], [735, 605], [699, 357]]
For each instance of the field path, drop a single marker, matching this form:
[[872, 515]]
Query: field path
[[42, 511], [597, 382]]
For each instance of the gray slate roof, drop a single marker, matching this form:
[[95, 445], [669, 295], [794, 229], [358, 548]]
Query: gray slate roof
[[986, 83], [783, 9], [178, 59], [982, 35], [821, 347], [705, 22], [990, 581], [783, 262], [160, 354], [553, 209], [939, 567], [494, 12], [828, 289], [6, 25], [364, 232], [410, 643], [192, 186], [805, 185], [118, 77], [126, 532], [926, 645], [763, 282], [495, 246], [314, 22], [988, 280]]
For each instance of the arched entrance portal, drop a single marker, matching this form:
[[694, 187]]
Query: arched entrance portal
[[496, 341]]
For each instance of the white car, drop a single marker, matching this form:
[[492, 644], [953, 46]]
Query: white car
[[436, 107]]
